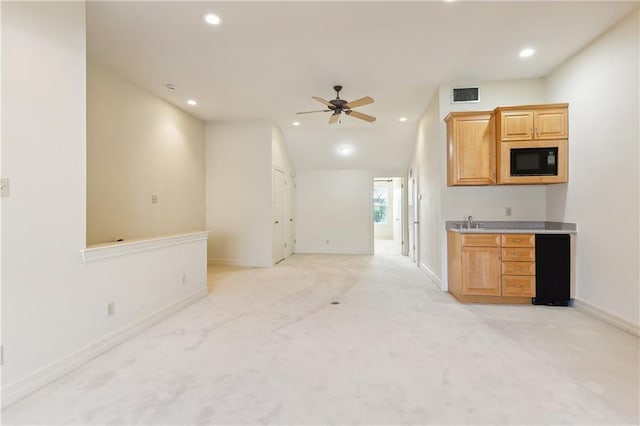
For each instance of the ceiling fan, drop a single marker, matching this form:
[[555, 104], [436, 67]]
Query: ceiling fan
[[339, 106]]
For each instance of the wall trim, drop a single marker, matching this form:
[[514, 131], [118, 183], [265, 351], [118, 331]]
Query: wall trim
[[607, 316], [103, 251], [48, 374], [433, 277]]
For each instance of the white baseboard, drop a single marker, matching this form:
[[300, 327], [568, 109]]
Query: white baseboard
[[322, 250], [433, 277], [239, 262], [46, 375], [606, 316]]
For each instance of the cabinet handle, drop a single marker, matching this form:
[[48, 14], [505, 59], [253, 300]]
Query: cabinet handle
[[518, 269], [516, 241], [517, 254], [518, 286]]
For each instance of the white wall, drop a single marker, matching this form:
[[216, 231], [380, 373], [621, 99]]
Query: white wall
[[53, 304], [428, 162], [336, 205], [439, 202], [238, 192], [279, 153], [601, 85], [137, 146]]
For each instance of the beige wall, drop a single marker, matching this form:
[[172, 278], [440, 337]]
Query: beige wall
[[601, 85], [239, 173], [138, 146]]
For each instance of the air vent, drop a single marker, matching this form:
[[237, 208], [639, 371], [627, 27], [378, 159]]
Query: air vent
[[465, 94]]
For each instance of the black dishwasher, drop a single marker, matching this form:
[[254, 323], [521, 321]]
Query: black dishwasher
[[553, 269]]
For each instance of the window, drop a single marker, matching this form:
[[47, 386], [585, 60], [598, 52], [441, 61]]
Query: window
[[380, 205]]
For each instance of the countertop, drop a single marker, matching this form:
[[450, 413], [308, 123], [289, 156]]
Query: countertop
[[511, 227]]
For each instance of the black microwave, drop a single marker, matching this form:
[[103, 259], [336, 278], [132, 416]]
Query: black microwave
[[534, 161]]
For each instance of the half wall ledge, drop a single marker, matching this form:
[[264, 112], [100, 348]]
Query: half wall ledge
[[123, 248]]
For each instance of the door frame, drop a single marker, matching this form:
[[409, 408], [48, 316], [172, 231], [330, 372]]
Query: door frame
[[403, 211]]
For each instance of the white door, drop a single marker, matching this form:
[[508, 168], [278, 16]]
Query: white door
[[413, 218], [397, 214], [291, 212], [279, 224]]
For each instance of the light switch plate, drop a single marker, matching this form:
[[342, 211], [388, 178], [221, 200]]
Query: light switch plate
[[4, 187]]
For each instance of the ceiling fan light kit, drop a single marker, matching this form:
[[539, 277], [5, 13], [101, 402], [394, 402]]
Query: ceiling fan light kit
[[338, 106]]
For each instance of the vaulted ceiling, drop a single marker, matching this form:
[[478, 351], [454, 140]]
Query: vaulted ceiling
[[267, 59]]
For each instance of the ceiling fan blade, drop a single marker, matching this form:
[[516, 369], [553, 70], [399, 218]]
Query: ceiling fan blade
[[334, 118], [361, 116], [309, 112], [359, 102], [324, 101]]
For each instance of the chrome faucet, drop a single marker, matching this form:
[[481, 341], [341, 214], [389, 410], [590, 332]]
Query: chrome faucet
[[469, 220]]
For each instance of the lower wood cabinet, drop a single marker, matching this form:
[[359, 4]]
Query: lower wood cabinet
[[491, 268]]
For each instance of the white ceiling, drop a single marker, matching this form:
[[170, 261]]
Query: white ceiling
[[267, 59]]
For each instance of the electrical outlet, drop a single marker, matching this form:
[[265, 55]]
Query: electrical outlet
[[154, 199], [184, 279], [327, 241], [111, 309], [507, 211]]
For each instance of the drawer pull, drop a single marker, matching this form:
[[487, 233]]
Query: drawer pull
[[518, 269], [516, 241], [517, 254], [518, 286]]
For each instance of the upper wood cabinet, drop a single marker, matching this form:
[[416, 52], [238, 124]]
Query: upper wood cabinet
[[471, 155], [532, 122]]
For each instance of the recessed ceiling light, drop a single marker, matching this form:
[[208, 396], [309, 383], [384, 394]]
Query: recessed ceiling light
[[296, 123], [525, 53], [212, 19], [403, 119], [344, 150], [192, 102]]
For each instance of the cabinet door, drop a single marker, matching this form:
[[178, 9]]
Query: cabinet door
[[516, 125], [472, 151], [481, 275], [550, 124]]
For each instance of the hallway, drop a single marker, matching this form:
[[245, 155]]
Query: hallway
[[267, 346]]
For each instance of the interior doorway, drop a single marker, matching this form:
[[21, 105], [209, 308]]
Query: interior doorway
[[388, 235], [280, 218]]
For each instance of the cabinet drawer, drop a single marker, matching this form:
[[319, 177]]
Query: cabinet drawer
[[518, 268], [518, 240], [481, 240], [518, 254], [518, 286]]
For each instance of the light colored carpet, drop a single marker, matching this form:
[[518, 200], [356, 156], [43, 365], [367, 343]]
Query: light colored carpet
[[268, 347]]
